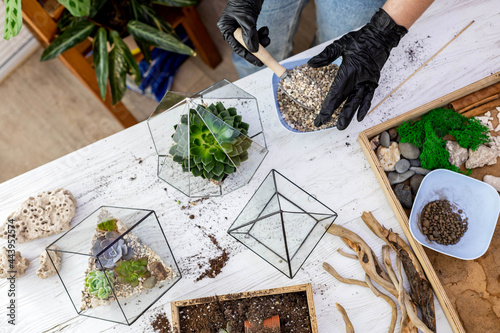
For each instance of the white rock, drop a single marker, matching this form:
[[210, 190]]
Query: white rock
[[493, 181], [487, 114], [46, 268], [388, 157], [46, 214], [458, 155], [497, 128], [490, 126], [482, 156], [20, 264], [498, 109], [483, 120]]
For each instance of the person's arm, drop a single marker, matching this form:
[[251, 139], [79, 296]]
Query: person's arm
[[406, 12]]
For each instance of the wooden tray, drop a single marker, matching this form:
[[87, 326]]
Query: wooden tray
[[307, 288], [441, 278]]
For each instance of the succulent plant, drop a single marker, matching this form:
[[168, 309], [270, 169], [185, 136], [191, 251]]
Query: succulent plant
[[117, 251], [129, 271], [108, 225], [98, 285], [215, 149], [226, 330]]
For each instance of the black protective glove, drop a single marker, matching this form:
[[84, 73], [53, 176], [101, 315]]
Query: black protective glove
[[364, 53], [243, 14]]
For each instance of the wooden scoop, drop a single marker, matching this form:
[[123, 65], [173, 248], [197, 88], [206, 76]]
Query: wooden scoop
[[273, 322], [287, 85]]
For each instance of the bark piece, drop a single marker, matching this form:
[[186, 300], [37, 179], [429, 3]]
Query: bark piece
[[348, 325]]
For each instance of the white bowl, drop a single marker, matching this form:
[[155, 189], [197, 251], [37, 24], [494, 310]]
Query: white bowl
[[479, 201]]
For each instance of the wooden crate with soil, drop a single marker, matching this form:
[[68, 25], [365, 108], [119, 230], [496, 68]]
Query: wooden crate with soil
[[294, 305], [468, 290]]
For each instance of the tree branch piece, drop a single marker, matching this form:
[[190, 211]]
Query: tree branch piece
[[348, 325], [347, 255]]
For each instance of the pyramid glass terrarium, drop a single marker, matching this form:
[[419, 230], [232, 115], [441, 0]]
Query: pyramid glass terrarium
[[208, 144], [116, 264], [282, 223]]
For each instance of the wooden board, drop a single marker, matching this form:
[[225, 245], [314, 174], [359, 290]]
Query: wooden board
[[428, 258], [307, 288]]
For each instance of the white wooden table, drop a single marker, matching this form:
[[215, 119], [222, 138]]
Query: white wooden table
[[329, 165]]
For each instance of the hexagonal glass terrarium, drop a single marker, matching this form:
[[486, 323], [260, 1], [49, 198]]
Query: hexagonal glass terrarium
[[208, 144], [116, 263], [282, 223]]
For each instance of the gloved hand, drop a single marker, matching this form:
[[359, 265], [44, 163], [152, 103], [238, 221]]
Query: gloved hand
[[243, 14], [364, 53]]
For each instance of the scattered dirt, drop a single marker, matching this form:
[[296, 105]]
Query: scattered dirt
[[161, 324], [210, 317], [441, 224], [191, 216], [215, 264]]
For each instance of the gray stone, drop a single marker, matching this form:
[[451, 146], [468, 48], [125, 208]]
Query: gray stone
[[403, 193], [415, 162], [396, 178], [420, 170], [408, 150], [149, 283], [385, 139], [402, 166], [388, 157], [415, 182], [393, 134], [458, 155]]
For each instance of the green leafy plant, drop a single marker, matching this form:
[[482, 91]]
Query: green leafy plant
[[217, 143], [106, 22], [428, 132], [108, 225], [226, 330], [98, 285], [129, 271]]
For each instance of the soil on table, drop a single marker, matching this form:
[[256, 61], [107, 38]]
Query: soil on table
[[300, 118], [210, 317], [161, 324]]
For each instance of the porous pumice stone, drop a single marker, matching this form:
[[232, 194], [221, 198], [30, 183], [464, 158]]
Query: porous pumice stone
[[20, 264], [388, 157], [458, 155], [46, 268], [481, 156], [493, 181], [48, 213]]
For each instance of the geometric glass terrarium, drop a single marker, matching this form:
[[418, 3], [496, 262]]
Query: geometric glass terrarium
[[282, 223], [209, 144], [116, 264]]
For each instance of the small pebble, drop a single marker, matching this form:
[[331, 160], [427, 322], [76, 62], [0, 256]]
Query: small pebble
[[415, 182], [420, 171], [393, 134], [403, 193], [402, 165], [409, 151], [415, 162], [385, 140], [396, 178]]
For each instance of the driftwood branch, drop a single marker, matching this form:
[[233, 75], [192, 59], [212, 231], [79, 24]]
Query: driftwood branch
[[367, 259], [420, 287], [367, 284], [348, 325], [347, 255]]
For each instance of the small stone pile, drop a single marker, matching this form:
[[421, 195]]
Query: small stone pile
[[300, 118], [441, 224], [401, 164]]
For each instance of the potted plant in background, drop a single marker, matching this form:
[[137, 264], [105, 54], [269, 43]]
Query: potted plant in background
[[107, 22]]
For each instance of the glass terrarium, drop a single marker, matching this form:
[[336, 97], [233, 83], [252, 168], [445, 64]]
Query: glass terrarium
[[116, 263], [282, 223], [208, 144]]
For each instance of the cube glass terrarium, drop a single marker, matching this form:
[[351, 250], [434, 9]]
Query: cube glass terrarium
[[282, 223], [116, 263], [209, 144]]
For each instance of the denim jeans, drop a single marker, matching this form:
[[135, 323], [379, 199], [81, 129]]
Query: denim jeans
[[333, 19]]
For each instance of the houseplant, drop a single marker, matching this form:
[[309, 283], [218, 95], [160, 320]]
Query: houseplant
[[106, 22]]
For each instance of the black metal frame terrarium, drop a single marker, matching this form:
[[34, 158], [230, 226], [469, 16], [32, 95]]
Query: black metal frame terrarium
[[116, 263], [282, 223], [208, 144]]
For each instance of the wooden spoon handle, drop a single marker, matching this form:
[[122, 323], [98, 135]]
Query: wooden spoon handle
[[262, 54]]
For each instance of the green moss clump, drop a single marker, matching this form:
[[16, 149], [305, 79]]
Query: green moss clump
[[108, 225], [428, 132]]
